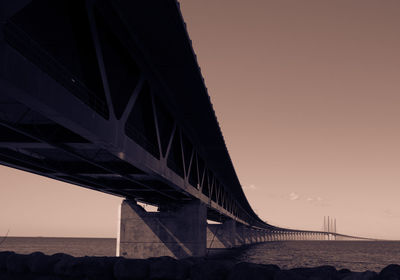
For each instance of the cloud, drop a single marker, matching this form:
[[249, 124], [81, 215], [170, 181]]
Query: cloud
[[389, 213], [315, 200], [293, 196]]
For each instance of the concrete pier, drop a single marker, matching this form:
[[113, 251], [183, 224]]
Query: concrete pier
[[243, 235], [222, 235], [181, 230], [178, 231]]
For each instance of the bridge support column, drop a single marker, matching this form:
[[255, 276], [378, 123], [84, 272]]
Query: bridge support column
[[179, 232], [244, 235], [221, 235], [249, 235], [258, 236], [254, 234]]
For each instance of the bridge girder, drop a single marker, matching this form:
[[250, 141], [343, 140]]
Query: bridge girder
[[115, 133], [108, 95]]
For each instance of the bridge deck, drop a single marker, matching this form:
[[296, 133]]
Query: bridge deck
[[108, 95]]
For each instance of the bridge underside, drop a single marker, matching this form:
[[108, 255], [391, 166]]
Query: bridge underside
[[108, 95], [84, 102]]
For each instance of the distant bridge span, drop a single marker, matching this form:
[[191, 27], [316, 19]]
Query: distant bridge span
[[108, 95]]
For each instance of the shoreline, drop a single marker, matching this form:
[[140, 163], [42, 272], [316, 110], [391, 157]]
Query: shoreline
[[63, 266], [357, 256]]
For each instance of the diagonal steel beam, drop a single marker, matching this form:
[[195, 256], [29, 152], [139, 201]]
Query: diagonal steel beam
[[76, 155]]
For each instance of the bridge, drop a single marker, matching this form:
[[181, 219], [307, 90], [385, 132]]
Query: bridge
[[108, 95]]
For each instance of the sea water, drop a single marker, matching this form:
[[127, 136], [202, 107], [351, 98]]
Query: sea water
[[76, 247], [354, 255]]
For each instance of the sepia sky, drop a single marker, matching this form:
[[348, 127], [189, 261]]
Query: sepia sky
[[307, 94]]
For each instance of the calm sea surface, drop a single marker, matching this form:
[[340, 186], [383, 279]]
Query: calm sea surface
[[77, 247], [356, 256]]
